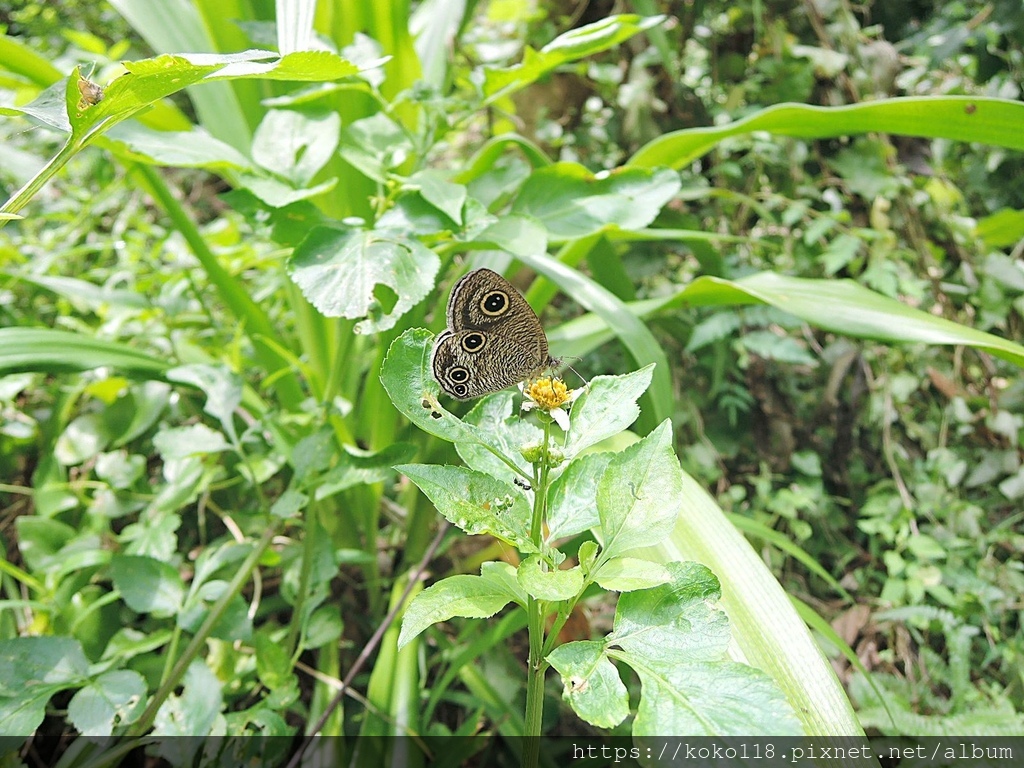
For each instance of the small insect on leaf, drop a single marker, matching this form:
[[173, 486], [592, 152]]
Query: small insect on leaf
[[92, 93]]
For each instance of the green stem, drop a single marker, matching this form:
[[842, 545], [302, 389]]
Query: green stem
[[22, 197], [535, 618], [313, 532]]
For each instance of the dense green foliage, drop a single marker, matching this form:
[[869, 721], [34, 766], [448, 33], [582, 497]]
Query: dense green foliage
[[202, 521]]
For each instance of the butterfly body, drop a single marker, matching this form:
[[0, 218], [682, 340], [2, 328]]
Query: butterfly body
[[493, 340]]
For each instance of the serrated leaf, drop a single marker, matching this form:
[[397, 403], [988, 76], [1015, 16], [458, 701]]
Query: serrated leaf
[[472, 597], [710, 699], [503, 576], [113, 699], [628, 574], [492, 416], [591, 684], [607, 406], [413, 391], [674, 622], [572, 500], [147, 585], [571, 202], [639, 496], [475, 502], [339, 271], [549, 585]]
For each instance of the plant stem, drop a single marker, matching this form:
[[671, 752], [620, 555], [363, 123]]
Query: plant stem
[[535, 618]]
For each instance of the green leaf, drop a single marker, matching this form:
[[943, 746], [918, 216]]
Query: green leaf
[[1002, 229], [549, 585], [844, 307], [148, 585], [193, 440], [492, 416], [232, 625], [709, 699], [148, 400], [277, 194], [49, 351], [192, 713], [962, 118], [295, 145], [516, 234], [33, 669], [606, 407], [222, 387], [297, 66], [82, 439], [475, 502], [571, 202], [628, 574], [503, 576], [406, 378], [636, 337], [591, 684], [639, 495], [341, 271], [119, 469], [112, 700], [676, 642], [289, 504], [273, 664], [444, 195], [41, 539], [194, 148], [674, 622], [84, 295], [472, 597], [357, 467], [375, 145], [572, 500], [570, 46]]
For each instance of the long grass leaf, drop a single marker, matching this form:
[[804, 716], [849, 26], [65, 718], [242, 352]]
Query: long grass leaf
[[961, 118]]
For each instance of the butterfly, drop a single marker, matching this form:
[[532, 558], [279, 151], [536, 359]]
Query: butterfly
[[493, 340]]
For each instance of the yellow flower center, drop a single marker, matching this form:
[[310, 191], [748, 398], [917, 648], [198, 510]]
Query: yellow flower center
[[548, 394]]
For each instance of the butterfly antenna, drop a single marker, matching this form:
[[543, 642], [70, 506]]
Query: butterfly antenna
[[563, 361]]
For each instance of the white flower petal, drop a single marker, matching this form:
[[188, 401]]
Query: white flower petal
[[561, 418]]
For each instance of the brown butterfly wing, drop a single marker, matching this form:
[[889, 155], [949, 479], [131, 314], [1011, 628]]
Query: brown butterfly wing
[[484, 300], [494, 339], [468, 371]]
